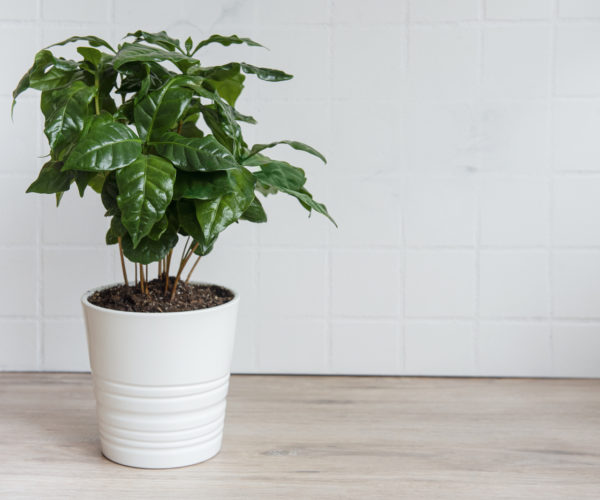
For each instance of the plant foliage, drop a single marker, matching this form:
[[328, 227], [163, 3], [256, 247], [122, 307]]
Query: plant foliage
[[158, 136]]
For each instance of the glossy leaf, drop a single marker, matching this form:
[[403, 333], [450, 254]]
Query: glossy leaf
[[149, 250], [290, 180], [194, 154], [226, 40], [69, 110], [160, 110], [130, 52], [115, 230], [82, 180], [186, 214], [267, 74], [161, 39], [216, 214], [300, 146], [201, 185], [189, 129], [51, 179], [107, 146], [255, 212], [109, 194], [230, 88], [306, 200], [94, 41], [159, 228], [93, 56], [281, 175], [145, 191], [188, 44]]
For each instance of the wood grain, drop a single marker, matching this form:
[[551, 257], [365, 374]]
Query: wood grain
[[324, 437]]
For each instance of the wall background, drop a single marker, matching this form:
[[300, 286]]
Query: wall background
[[463, 139]]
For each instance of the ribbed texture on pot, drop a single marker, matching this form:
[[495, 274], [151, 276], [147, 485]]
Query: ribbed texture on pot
[[151, 426]]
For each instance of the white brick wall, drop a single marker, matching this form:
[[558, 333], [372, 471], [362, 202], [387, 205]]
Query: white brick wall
[[464, 146]]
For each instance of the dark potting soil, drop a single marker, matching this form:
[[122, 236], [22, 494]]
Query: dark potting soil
[[187, 298]]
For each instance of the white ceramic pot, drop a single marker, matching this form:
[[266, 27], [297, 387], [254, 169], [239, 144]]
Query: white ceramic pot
[[160, 381]]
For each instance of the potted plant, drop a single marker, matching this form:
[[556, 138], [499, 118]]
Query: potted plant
[[157, 135]]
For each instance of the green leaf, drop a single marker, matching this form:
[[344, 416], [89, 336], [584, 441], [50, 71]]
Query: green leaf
[[51, 179], [160, 110], [204, 154], [109, 194], [215, 215], [189, 129], [226, 41], [159, 228], [161, 39], [145, 191], [255, 212], [130, 52], [222, 72], [115, 230], [42, 60], [290, 180], [61, 73], [281, 175], [149, 250], [106, 146], [94, 56], [230, 88], [94, 41], [189, 44], [267, 74], [300, 146], [306, 200], [201, 185], [69, 107], [224, 127], [82, 180], [186, 215]]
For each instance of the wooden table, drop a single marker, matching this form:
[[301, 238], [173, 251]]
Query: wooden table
[[323, 437]]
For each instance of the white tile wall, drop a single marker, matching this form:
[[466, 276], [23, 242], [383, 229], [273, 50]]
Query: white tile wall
[[440, 348], [463, 139]]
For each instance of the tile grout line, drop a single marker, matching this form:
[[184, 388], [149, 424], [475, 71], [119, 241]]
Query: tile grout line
[[551, 185], [40, 341], [477, 201], [328, 255], [402, 359]]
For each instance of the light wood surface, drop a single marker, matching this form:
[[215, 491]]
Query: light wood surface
[[323, 437]]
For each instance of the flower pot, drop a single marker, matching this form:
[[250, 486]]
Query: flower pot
[[160, 381]]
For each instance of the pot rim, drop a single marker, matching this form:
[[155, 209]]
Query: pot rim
[[207, 310]]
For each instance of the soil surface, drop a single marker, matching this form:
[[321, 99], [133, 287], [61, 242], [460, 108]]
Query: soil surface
[[188, 297]]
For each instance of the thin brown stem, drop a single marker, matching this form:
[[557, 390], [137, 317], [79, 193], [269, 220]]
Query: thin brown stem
[[187, 280], [147, 279], [169, 255], [123, 262], [136, 278], [180, 270], [142, 278]]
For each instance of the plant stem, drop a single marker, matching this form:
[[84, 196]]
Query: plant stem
[[169, 255], [147, 279], [141, 278], [136, 278], [97, 95], [123, 262], [181, 266], [192, 269]]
